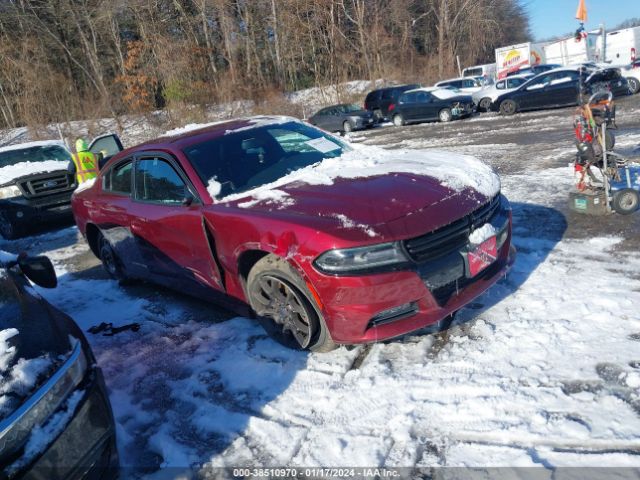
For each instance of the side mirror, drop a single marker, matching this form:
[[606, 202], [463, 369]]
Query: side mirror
[[39, 270]]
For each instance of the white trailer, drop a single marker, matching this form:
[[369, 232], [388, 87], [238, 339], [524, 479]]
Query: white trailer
[[623, 46], [569, 52], [487, 71], [514, 57]]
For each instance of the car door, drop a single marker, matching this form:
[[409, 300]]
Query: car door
[[105, 147], [563, 88], [407, 105], [112, 214], [425, 106], [168, 225], [533, 94]]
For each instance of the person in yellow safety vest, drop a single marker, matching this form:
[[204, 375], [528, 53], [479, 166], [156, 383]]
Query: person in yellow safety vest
[[85, 162]]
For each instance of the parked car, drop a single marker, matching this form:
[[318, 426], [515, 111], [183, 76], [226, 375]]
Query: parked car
[[559, 88], [378, 101], [425, 104], [36, 183], [632, 73], [247, 209], [485, 97], [464, 84], [535, 69], [342, 118], [55, 417]]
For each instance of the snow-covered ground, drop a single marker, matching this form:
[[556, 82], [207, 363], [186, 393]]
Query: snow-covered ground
[[542, 370]]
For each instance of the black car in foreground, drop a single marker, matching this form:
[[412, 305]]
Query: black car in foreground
[[342, 118], [55, 417], [426, 104], [378, 101], [560, 88]]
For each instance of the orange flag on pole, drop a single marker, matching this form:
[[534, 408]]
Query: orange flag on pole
[[581, 13]]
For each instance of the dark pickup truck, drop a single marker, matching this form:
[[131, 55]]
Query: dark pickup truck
[[37, 180]]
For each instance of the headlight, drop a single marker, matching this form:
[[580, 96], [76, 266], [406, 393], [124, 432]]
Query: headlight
[[12, 191], [362, 259]]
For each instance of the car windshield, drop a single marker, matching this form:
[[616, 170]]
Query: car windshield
[[34, 154], [253, 157], [351, 108]]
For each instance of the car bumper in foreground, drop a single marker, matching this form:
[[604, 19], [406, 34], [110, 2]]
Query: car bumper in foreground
[[28, 211], [86, 448], [369, 308]]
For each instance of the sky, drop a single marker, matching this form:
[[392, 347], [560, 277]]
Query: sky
[[557, 17]]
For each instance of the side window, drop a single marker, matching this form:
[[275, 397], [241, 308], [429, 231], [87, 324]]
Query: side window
[[408, 98], [109, 145], [118, 179], [422, 97], [500, 85], [157, 181]]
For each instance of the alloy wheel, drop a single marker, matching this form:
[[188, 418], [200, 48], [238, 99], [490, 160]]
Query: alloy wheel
[[282, 303]]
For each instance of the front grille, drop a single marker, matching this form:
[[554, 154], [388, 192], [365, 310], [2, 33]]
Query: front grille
[[47, 184], [452, 237]]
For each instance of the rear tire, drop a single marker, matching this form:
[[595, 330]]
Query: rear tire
[[626, 201], [285, 307], [508, 107], [485, 104], [398, 120], [8, 229], [634, 85], [110, 261], [377, 116], [445, 115], [347, 127]]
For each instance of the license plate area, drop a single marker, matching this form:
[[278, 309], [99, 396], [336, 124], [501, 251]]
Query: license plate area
[[481, 256]]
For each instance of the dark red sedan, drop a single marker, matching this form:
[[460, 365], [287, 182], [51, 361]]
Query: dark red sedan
[[334, 244]]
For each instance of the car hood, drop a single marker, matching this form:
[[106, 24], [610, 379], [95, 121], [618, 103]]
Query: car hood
[[31, 342], [372, 201]]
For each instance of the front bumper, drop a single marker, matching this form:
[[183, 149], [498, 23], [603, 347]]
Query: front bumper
[[86, 449], [352, 305], [26, 211]]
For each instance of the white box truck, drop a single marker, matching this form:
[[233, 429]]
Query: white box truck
[[569, 52], [512, 58], [623, 46]]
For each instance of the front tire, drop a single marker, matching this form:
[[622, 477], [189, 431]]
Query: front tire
[[626, 201], [282, 301], [398, 120], [445, 115], [485, 104], [110, 261], [634, 85], [508, 107]]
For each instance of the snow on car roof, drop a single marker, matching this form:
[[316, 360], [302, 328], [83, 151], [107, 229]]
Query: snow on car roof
[[41, 143], [441, 93]]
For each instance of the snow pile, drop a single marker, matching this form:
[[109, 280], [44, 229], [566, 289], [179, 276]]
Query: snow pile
[[214, 187], [330, 94], [11, 172], [481, 234], [454, 171], [17, 379]]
